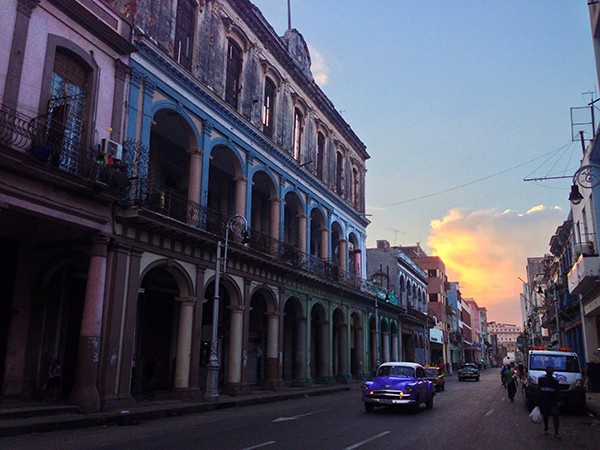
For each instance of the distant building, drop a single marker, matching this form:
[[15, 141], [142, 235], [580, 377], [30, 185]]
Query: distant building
[[506, 335]]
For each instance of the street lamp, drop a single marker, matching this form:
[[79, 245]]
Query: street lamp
[[587, 176], [236, 224]]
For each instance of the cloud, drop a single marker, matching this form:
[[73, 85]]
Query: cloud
[[318, 67], [486, 251]]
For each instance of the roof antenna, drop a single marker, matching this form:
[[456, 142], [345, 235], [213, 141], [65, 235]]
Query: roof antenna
[[289, 15]]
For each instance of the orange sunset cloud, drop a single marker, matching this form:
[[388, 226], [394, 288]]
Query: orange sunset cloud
[[486, 251]]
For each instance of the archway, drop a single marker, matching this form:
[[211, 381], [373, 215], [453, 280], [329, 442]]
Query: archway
[[294, 343], [156, 334]]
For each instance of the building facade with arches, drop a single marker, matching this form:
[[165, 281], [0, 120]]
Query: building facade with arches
[[127, 159]]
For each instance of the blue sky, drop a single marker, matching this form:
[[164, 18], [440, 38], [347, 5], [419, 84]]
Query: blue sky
[[447, 93]]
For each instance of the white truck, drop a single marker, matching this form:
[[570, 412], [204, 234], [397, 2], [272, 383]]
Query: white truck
[[567, 371]]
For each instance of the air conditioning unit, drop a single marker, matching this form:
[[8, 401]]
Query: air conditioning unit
[[111, 148]]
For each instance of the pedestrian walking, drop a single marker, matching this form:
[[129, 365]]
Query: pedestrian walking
[[548, 392], [510, 379]]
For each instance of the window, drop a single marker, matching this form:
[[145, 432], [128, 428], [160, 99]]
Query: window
[[234, 71], [432, 273], [184, 33], [355, 188], [298, 128], [64, 124], [339, 172], [320, 154], [268, 112], [433, 297]]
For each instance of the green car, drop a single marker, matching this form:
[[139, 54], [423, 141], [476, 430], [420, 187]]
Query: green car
[[468, 372]]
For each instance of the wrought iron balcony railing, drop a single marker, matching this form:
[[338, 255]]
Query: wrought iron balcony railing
[[169, 203], [45, 143]]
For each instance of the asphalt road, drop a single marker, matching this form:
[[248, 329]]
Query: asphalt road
[[467, 415]]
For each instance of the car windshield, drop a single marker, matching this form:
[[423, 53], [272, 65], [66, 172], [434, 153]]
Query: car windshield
[[431, 372], [396, 371], [561, 363], [467, 368]]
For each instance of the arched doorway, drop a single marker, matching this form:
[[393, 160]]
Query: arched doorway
[[340, 350], [156, 331], [60, 297], [294, 343]]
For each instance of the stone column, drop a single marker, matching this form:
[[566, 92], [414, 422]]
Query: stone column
[[240, 195], [234, 367], [395, 354], [184, 342], [85, 391], [386, 345], [302, 240], [343, 254], [194, 185], [275, 219], [272, 352], [324, 244]]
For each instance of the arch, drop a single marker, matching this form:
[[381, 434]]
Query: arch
[[193, 133], [226, 186], [294, 224], [262, 345], [58, 296], [157, 322], [176, 270]]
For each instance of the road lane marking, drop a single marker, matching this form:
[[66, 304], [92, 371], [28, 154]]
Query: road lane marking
[[264, 444], [490, 412], [377, 436], [283, 419]]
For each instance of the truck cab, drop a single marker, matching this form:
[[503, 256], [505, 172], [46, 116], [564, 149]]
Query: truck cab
[[567, 371]]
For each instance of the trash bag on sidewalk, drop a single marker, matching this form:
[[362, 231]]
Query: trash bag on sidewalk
[[535, 415]]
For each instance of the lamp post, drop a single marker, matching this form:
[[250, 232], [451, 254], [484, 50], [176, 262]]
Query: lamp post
[[237, 224], [588, 177]]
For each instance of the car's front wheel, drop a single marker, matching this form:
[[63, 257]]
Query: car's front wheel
[[429, 403], [369, 407]]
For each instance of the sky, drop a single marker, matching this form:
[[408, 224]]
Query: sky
[[459, 102]]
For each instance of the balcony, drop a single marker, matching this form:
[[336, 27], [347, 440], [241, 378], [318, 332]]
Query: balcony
[[584, 275], [171, 205], [51, 150]]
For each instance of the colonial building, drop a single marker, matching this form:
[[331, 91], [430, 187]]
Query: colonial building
[[63, 85], [404, 285], [195, 213]]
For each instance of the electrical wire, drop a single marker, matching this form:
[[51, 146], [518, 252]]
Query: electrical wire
[[479, 180]]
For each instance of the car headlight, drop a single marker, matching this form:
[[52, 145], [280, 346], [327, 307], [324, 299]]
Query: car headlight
[[532, 379], [578, 382]]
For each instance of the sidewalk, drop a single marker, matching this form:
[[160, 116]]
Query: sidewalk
[[17, 419]]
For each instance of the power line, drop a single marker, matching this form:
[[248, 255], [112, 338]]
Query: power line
[[414, 199]]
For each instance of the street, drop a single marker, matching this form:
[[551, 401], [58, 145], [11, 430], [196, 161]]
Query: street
[[467, 415]]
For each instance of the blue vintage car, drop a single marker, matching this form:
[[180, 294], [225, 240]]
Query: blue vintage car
[[398, 384]]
